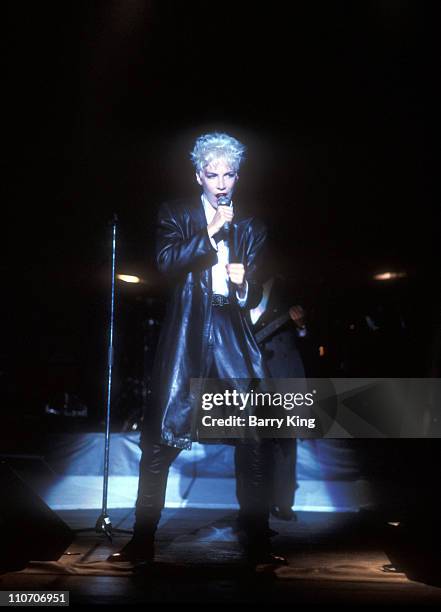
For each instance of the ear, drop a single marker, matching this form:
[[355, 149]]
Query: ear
[[198, 178]]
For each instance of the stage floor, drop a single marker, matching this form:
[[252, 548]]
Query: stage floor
[[334, 557], [82, 492]]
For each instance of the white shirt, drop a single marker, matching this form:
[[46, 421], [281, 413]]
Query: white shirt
[[219, 276]]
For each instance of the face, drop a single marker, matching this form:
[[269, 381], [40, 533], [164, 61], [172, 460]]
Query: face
[[216, 179]]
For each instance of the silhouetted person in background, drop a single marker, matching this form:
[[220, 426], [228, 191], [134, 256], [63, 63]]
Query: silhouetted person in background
[[280, 328]]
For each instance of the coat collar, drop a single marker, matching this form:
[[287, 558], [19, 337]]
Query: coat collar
[[198, 212]]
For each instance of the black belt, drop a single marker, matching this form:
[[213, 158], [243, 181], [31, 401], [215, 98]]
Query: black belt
[[219, 300]]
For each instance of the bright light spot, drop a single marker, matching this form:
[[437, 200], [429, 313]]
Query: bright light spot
[[389, 276], [128, 279], [322, 351]]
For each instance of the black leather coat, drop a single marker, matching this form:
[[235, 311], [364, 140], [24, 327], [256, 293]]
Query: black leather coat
[[184, 253]]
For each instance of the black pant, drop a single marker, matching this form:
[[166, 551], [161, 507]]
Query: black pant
[[252, 464], [284, 468], [252, 458]]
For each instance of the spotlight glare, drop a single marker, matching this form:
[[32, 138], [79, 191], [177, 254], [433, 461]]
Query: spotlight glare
[[127, 278], [389, 276]]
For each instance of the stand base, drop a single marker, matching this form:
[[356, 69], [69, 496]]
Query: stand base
[[104, 526]]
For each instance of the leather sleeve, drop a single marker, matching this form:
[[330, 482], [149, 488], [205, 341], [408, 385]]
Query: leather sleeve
[[255, 255], [176, 254]]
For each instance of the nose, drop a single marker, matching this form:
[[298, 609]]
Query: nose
[[221, 183]]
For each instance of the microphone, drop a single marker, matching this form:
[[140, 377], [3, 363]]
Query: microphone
[[224, 200]]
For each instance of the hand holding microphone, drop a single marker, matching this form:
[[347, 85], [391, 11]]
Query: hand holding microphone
[[223, 217]]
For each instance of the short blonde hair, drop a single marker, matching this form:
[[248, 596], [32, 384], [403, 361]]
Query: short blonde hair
[[210, 147]]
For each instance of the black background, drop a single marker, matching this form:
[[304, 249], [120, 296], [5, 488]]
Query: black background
[[336, 101]]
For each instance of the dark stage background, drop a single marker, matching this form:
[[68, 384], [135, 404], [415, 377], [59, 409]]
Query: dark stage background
[[337, 103]]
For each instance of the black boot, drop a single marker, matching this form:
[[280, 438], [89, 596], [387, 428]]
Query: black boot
[[258, 551], [254, 537], [139, 550], [153, 472], [284, 513]]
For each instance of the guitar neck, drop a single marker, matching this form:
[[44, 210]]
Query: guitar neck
[[269, 329]]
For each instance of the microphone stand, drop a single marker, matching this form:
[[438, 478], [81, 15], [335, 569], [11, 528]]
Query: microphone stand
[[103, 523]]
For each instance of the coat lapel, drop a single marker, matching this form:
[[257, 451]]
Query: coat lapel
[[197, 213], [199, 220], [238, 244]]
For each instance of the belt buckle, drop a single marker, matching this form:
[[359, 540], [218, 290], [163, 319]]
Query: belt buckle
[[219, 300]]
